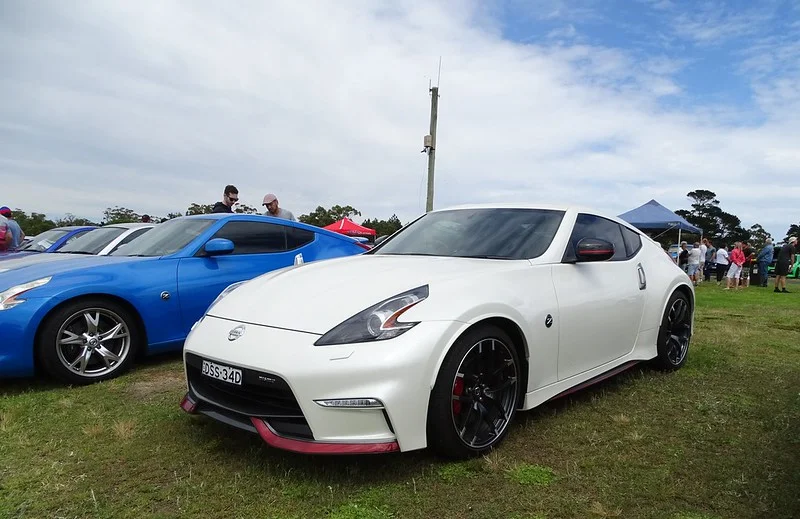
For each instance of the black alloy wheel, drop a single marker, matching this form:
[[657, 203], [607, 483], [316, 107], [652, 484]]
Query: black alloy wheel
[[476, 394]]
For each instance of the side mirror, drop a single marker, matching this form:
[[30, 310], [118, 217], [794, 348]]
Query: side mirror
[[218, 247], [594, 249]]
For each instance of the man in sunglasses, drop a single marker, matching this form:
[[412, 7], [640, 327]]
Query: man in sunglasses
[[229, 198]]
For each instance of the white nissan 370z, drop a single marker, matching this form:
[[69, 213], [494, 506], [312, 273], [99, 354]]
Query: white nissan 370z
[[439, 335]]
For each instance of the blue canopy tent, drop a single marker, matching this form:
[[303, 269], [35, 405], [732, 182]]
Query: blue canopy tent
[[653, 215]]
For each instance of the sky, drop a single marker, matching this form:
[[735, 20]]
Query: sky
[[155, 105]]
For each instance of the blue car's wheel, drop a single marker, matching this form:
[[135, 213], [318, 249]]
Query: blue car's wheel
[[88, 341]]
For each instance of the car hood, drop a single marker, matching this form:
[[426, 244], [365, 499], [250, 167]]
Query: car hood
[[317, 296], [26, 260], [36, 271]]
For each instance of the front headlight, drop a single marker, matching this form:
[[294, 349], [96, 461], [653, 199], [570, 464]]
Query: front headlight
[[224, 293], [376, 323], [9, 298]]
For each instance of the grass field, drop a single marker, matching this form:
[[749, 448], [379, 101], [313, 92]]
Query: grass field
[[718, 439]]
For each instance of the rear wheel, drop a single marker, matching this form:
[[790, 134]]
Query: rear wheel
[[675, 333], [88, 341], [476, 394]]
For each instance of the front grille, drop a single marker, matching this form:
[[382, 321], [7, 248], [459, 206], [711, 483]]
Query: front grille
[[261, 395]]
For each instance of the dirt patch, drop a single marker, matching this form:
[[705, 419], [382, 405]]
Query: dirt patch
[[157, 385]]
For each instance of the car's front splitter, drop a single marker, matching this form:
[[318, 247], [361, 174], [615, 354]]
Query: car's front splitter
[[190, 404]]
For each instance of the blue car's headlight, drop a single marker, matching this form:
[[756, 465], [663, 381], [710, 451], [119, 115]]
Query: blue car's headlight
[[10, 298], [376, 323]]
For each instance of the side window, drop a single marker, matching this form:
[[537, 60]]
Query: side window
[[590, 226], [633, 242], [129, 238], [254, 237], [296, 238]]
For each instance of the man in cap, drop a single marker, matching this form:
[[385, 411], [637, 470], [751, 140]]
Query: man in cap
[[271, 203], [17, 235], [785, 261]]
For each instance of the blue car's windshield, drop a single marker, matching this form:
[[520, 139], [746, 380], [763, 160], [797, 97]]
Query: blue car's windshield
[[165, 238], [496, 233], [42, 242], [93, 241]]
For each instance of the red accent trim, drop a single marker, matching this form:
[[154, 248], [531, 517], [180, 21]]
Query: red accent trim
[[187, 404], [598, 378], [597, 251], [312, 447]]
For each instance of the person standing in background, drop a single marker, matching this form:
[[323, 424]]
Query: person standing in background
[[764, 260]]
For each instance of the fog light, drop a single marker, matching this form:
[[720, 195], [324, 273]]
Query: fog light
[[352, 403]]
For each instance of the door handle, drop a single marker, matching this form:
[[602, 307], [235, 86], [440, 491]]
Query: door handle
[[642, 277]]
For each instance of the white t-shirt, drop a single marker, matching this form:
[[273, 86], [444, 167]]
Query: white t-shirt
[[694, 256], [722, 257], [703, 250]]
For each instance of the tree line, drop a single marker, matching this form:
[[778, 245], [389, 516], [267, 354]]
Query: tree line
[[34, 223], [723, 227]]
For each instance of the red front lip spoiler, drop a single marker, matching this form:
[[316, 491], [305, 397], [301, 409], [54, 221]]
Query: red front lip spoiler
[[312, 447], [272, 439]]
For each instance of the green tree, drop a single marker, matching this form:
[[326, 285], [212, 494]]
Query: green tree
[[34, 223], [758, 236], [170, 216], [705, 212], [794, 230], [120, 215], [384, 227], [322, 217], [71, 219], [246, 209], [199, 209]]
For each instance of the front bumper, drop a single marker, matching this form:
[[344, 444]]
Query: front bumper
[[284, 374]]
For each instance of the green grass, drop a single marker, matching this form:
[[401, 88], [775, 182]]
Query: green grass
[[717, 439]]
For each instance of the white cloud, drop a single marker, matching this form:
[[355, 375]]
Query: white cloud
[[157, 105]]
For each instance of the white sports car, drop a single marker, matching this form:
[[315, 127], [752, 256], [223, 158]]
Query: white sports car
[[440, 334]]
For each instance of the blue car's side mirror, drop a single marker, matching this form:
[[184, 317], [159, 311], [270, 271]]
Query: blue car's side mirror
[[218, 247]]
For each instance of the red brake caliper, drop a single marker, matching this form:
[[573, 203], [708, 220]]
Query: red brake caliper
[[458, 390]]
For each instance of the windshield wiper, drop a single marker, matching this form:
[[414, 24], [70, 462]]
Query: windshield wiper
[[73, 252], [484, 256]]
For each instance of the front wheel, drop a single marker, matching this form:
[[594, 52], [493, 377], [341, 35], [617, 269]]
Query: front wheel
[[88, 341], [476, 394], [675, 333]]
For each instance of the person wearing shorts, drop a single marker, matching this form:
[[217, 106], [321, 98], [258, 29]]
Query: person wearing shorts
[[735, 269], [785, 260]]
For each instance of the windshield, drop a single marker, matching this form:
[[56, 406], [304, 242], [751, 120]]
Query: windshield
[[42, 242], [477, 233], [165, 238], [93, 241]]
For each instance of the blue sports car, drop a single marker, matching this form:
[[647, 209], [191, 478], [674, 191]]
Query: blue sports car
[[49, 241], [85, 319]]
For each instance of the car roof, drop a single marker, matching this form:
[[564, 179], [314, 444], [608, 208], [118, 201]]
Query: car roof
[[548, 207], [134, 225], [73, 227]]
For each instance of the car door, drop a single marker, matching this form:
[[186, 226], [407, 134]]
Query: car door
[[600, 302], [259, 247]]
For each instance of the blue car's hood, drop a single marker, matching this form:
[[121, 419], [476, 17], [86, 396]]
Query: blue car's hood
[[18, 276]]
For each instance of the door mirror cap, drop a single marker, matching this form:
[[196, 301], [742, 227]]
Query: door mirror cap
[[218, 247], [594, 249]]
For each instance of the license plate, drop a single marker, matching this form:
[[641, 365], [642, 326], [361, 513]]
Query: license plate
[[224, 373]]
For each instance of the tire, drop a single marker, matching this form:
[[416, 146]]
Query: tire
[[675, 333], [97, 337], [482, 362]]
